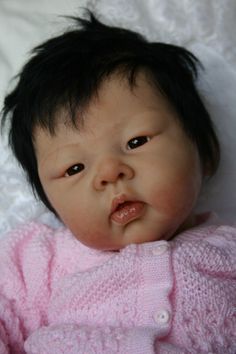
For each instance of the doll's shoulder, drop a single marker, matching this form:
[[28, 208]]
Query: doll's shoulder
[[219, 234], [32, 247], [210, 248], [32, 235], [36, 247]]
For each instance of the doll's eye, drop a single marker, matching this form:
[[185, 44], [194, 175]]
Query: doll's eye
[[77, 168], [138, 141]]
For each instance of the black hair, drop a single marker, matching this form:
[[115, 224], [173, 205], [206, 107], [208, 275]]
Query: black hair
[[66, 71]]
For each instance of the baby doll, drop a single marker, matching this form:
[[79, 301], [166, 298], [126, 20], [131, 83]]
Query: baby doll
[[115, 140]]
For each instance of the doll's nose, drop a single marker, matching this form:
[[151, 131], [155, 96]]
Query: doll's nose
[[111, 170]]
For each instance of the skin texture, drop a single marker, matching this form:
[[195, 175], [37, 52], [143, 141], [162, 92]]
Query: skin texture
[[158, 176]]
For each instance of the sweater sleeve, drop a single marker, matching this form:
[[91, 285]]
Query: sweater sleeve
[[205, 290], [23, 291], [11, 336]]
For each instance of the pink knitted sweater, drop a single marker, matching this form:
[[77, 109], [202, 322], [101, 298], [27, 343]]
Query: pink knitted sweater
[[58, 296]]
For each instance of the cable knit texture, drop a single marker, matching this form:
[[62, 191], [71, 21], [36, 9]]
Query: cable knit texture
[[58, 296]]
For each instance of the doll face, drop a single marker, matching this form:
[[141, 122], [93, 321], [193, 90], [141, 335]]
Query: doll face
[[128, 174]]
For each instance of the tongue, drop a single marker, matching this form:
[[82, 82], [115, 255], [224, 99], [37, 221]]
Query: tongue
[[127, 212]]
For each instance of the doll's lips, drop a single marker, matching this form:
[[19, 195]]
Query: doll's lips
[[124, 211]]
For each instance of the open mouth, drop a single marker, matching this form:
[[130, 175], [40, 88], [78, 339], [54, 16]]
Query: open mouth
[[127, 211]]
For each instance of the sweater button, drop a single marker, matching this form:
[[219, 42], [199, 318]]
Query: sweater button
[[162, 317], [158, 250]]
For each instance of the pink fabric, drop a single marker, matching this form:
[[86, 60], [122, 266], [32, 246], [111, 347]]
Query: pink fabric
[[58, 296]]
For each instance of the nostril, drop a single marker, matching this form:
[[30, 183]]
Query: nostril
[[121, 175], [103, 183]]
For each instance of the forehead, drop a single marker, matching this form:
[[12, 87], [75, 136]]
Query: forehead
[[116, 103], [117, 94]]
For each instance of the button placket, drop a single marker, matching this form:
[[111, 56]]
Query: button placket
[[162, 316]]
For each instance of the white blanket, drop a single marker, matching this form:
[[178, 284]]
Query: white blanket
[[206, 27]]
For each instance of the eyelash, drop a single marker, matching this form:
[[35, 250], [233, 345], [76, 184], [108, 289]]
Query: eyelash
[[137, 142]]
